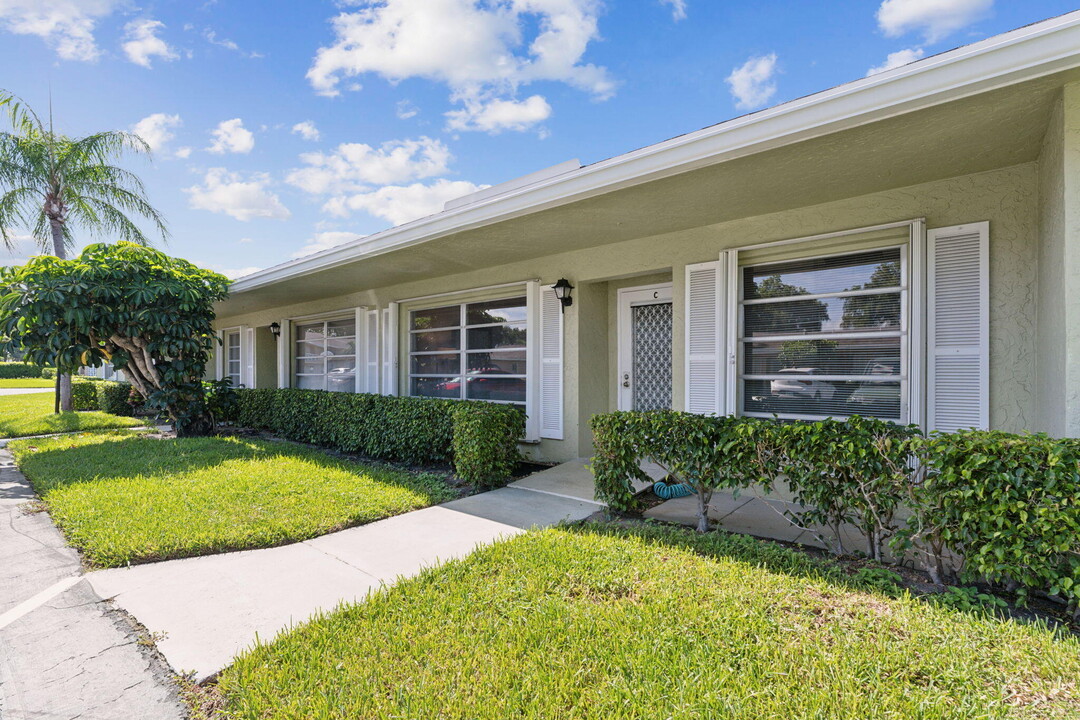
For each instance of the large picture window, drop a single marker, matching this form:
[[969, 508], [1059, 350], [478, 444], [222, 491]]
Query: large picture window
[[471, 351], [824, 337], [325, 355]]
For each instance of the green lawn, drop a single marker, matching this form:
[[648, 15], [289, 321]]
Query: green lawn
[[123, 498], [32, 414], [9, 383], [597, 622]]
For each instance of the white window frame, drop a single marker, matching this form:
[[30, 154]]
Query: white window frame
[[913, 311], [324, 319], [463, 350]]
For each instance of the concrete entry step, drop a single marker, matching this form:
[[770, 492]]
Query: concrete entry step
[[574, 480]]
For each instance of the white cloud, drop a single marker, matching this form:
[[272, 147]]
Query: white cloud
[[354, 166], [142, 43], [230, 136], [157, 130], [306, 130], [935, 19], [495, 116], [246, 240], [480, 50], [752, 83], [229, 193], [400, 204], [324, 241], [406, 110], [678, 9], [65, 25], [211, 37], [183, 152], [234, 273], [23, 247], [896, 59]]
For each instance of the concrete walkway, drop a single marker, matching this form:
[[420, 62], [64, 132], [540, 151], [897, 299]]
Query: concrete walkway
[[64, 653], [23, 391], [211, 608]]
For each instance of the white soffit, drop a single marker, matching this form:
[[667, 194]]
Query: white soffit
[[1019, 55]]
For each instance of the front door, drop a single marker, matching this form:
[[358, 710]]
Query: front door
[[645, 348]]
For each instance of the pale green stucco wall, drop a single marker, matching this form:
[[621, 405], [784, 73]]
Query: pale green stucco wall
[[1058, 366], [1007, 198]]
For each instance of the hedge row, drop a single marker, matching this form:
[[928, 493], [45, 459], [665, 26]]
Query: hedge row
[[979, 505], [480, 439], [13, 370], [106, 395]]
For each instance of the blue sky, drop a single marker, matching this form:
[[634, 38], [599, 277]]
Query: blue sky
[[284, 127]]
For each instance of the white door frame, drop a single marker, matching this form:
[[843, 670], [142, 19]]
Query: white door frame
[[628, 298]]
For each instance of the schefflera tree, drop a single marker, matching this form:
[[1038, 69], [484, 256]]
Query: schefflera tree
[[149, 314]]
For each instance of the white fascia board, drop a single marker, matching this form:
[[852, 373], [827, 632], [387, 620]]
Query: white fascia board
[[1017, 56]]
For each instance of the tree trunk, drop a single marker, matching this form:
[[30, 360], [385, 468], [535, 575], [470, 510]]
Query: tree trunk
[[704, 495], [63, 380]]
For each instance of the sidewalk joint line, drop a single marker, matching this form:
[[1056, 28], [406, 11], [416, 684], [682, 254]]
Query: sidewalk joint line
[[36, 601], [559, 495]]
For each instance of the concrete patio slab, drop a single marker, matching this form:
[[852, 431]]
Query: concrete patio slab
[[750, 514]]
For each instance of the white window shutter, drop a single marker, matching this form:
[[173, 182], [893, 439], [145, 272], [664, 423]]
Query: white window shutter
[[389, 350], [247, 353], [958, 327], [706, 379], [551, 365], [371, 351]]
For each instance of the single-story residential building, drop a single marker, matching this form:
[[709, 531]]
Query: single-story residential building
[[905, 246]]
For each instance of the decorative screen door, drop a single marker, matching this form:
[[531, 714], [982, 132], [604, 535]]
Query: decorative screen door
[[645, 320]]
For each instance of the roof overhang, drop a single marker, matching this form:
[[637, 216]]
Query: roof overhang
[[1019, 56]]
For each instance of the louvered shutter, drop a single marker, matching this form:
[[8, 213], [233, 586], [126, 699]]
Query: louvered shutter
[[247, 353], [551, 365], [371, 351], [705, 377], [958, 327], [389, 350]]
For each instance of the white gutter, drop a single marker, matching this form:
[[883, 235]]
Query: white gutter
[[1024, 54]]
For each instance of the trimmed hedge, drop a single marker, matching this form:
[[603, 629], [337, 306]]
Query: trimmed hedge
[[19, 370], [1008, 505], [90, 393], [485, 438], [402, 429], [83, 393]]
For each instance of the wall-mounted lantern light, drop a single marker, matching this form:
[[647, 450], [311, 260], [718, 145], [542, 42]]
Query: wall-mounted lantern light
[[275, 330], [562, 291]]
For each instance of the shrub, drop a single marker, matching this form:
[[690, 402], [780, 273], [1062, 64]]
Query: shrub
[[48, 373], [18, 370], [221, 400], [83, 394], [1008, 504], [704, 452], [847, 471], [485, 441], [114, 397], [92, 393], [402, 429]]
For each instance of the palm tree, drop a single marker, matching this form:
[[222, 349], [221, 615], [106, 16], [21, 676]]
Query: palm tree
[[52, 184]]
